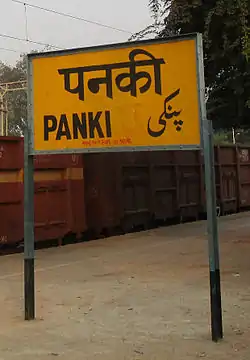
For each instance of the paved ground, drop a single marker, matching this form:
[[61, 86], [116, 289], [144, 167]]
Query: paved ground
[[140, 296]]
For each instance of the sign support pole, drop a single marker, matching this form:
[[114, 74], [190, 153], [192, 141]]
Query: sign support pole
[[29, 273], [214, 262], [212, 225]]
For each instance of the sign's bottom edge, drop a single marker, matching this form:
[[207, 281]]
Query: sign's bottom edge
[[115, 149]]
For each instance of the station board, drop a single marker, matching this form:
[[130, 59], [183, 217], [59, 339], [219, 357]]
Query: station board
[[131, 96]]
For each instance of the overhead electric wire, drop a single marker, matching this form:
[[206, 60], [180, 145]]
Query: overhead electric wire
[[26, 39], [12, 50], [71, 16], [30, 41]]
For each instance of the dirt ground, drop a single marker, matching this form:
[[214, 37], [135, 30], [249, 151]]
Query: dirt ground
[[139, 296]]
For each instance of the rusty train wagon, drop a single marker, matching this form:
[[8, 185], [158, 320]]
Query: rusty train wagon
[[133, 190], [104, 193], [117, 191], [58, 198], [129, 190]]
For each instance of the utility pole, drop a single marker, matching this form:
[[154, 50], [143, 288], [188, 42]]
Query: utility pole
[[233, 136]]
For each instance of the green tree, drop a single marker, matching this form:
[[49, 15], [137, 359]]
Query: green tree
[[158, 9], [246, 48], [17, 100], [225, 28]]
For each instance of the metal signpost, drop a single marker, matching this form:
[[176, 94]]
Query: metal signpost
[[29, 253], [212, 225], [140, 96]]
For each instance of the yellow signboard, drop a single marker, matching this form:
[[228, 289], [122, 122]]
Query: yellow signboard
[[130, 96]]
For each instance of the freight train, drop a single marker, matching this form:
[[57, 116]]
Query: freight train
[[101, 194]]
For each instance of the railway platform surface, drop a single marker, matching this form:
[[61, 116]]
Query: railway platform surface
[[139, 296]]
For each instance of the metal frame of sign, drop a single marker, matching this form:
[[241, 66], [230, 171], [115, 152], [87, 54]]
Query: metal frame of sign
[[200, 92], [206, 144]]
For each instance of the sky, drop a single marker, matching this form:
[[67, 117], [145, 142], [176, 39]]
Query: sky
[[49, 28]]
